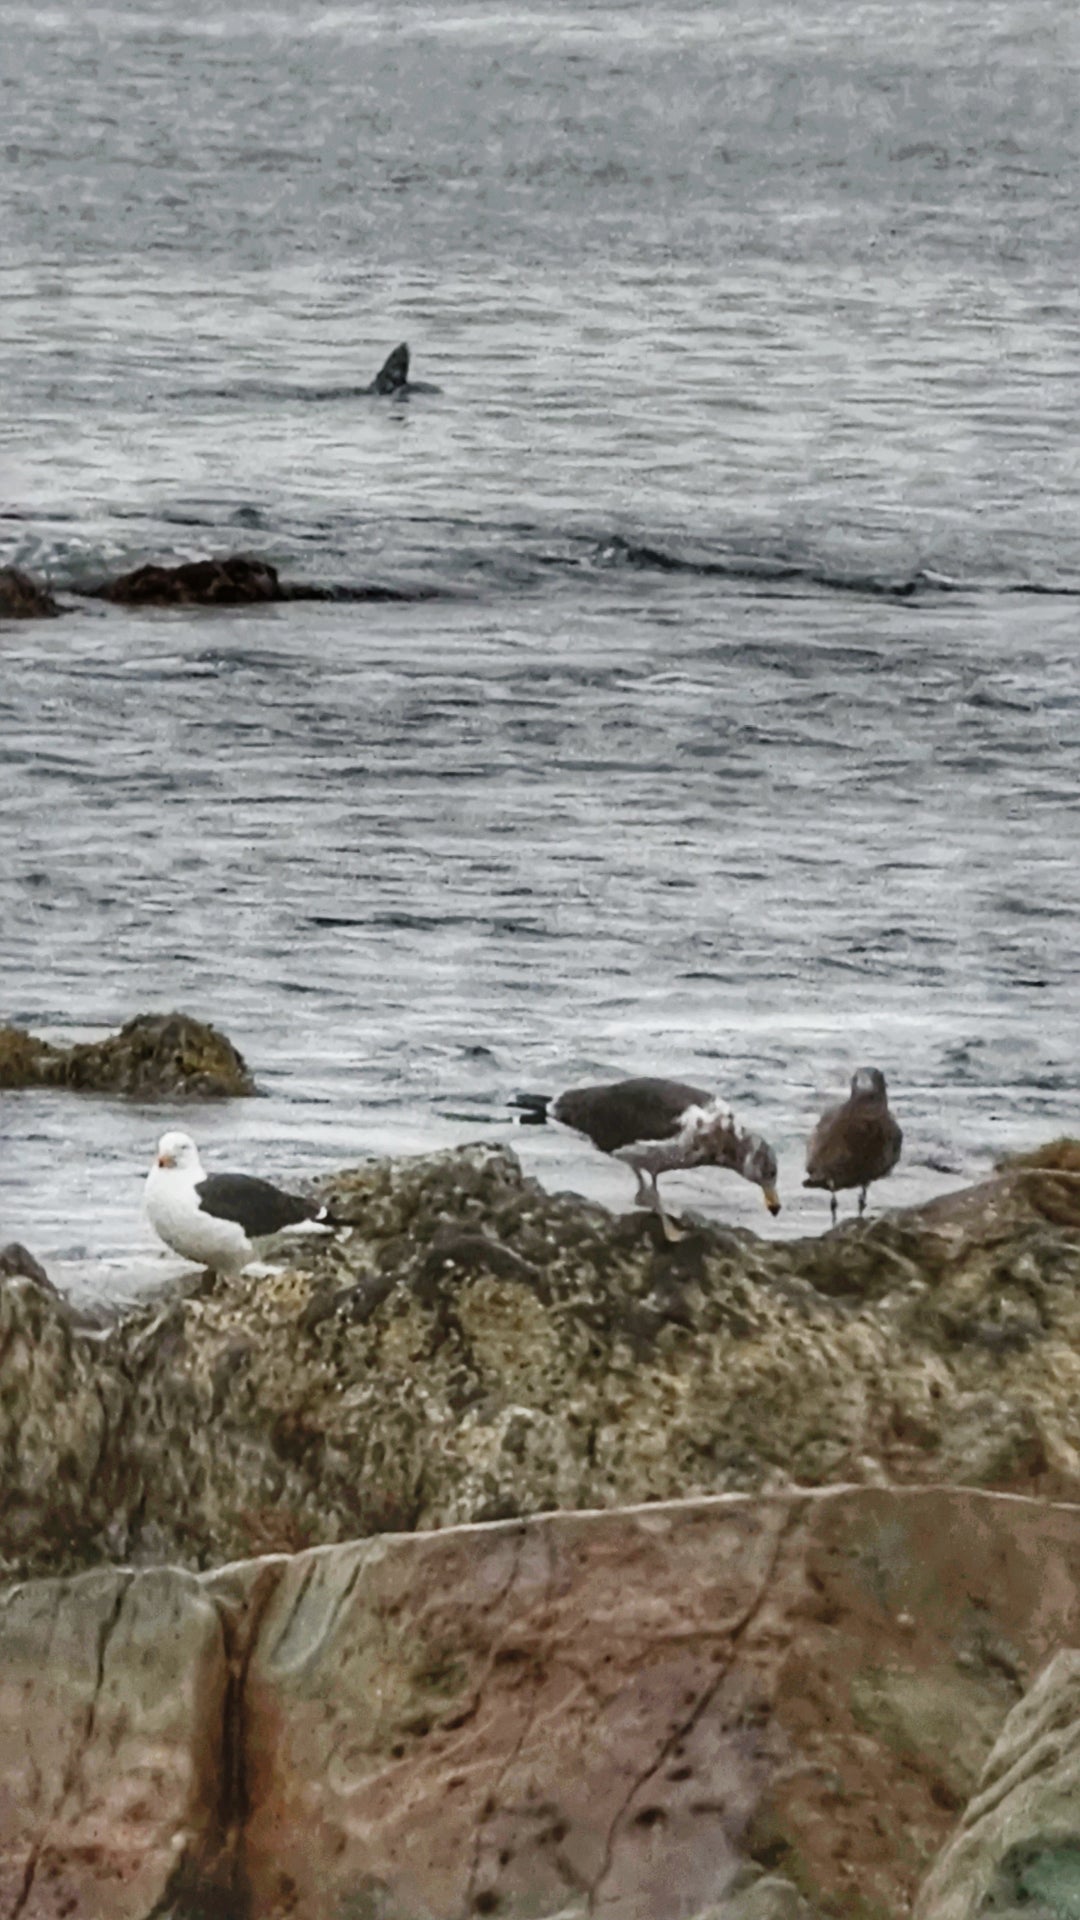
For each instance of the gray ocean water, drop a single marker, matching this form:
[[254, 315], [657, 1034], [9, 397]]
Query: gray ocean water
[[732, 725]]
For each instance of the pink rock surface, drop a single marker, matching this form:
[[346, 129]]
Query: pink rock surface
[[609, 1713], [112, 1716]]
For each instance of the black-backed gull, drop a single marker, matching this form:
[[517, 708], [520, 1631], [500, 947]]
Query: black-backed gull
[[855, 1142], [217, 1218], [655, 1126]]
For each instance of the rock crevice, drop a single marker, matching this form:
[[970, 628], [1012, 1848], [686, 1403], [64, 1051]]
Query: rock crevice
[[625, 1714]]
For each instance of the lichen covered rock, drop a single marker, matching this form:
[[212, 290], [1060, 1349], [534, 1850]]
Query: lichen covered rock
[[155, 1056], [470, 1347], [1018, 1845]]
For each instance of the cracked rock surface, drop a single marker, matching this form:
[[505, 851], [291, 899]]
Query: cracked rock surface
[[740, 1708]]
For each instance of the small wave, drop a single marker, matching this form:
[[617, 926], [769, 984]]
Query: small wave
[[431, 557], [1056, 589], [773, 569]]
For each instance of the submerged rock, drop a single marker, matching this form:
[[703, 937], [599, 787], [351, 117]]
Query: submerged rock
[[24, 598], [155, 1055]]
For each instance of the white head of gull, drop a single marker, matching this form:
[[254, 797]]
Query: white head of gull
[[216, 1219]]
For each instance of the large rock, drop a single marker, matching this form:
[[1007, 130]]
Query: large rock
[[155, 1056], [233, 580], [1018, 1846], [473, 1348], [24, 598], [746, 1708], [769, 1706]]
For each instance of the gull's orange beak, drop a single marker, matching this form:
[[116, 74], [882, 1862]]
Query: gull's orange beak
[[772, 1199], [165, 1160]]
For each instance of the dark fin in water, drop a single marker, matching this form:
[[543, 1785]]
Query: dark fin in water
[[394, 372], [533, 1108]]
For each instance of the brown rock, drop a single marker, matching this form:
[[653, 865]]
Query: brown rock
[[620, 1711], [155, 1056], [234, 580], [727, 1707], [24, 598], [230, 580], [16, 1260]]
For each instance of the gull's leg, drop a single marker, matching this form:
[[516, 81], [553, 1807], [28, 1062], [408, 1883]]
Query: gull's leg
[[832, 1204], [862, 1202], [672, 1233]]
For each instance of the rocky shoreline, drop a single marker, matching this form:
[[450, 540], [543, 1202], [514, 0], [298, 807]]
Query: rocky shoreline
[[471, 1371]]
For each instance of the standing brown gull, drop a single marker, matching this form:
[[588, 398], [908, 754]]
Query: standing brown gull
[[855, 1142]]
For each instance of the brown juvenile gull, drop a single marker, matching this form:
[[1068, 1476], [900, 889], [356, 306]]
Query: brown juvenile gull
[[654, 1126], [855, 1142]]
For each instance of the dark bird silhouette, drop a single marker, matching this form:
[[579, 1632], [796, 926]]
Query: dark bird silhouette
[[856, 1142], [654, 1126]]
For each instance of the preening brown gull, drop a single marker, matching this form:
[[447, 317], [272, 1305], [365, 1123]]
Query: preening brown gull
[[856, 1142], [216, 1218], [655, 1126]]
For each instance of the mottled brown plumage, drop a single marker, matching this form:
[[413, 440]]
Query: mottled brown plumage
[[654, 1126], [856, 1142]]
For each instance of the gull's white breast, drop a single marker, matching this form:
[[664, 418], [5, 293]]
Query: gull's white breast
[[172, 1208]]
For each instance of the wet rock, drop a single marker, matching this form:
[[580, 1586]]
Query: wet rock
[[154, 1056], [1017, 1849], [228, 580], [233, 580], [641, 1715], [24, 598], [16, 1259]]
